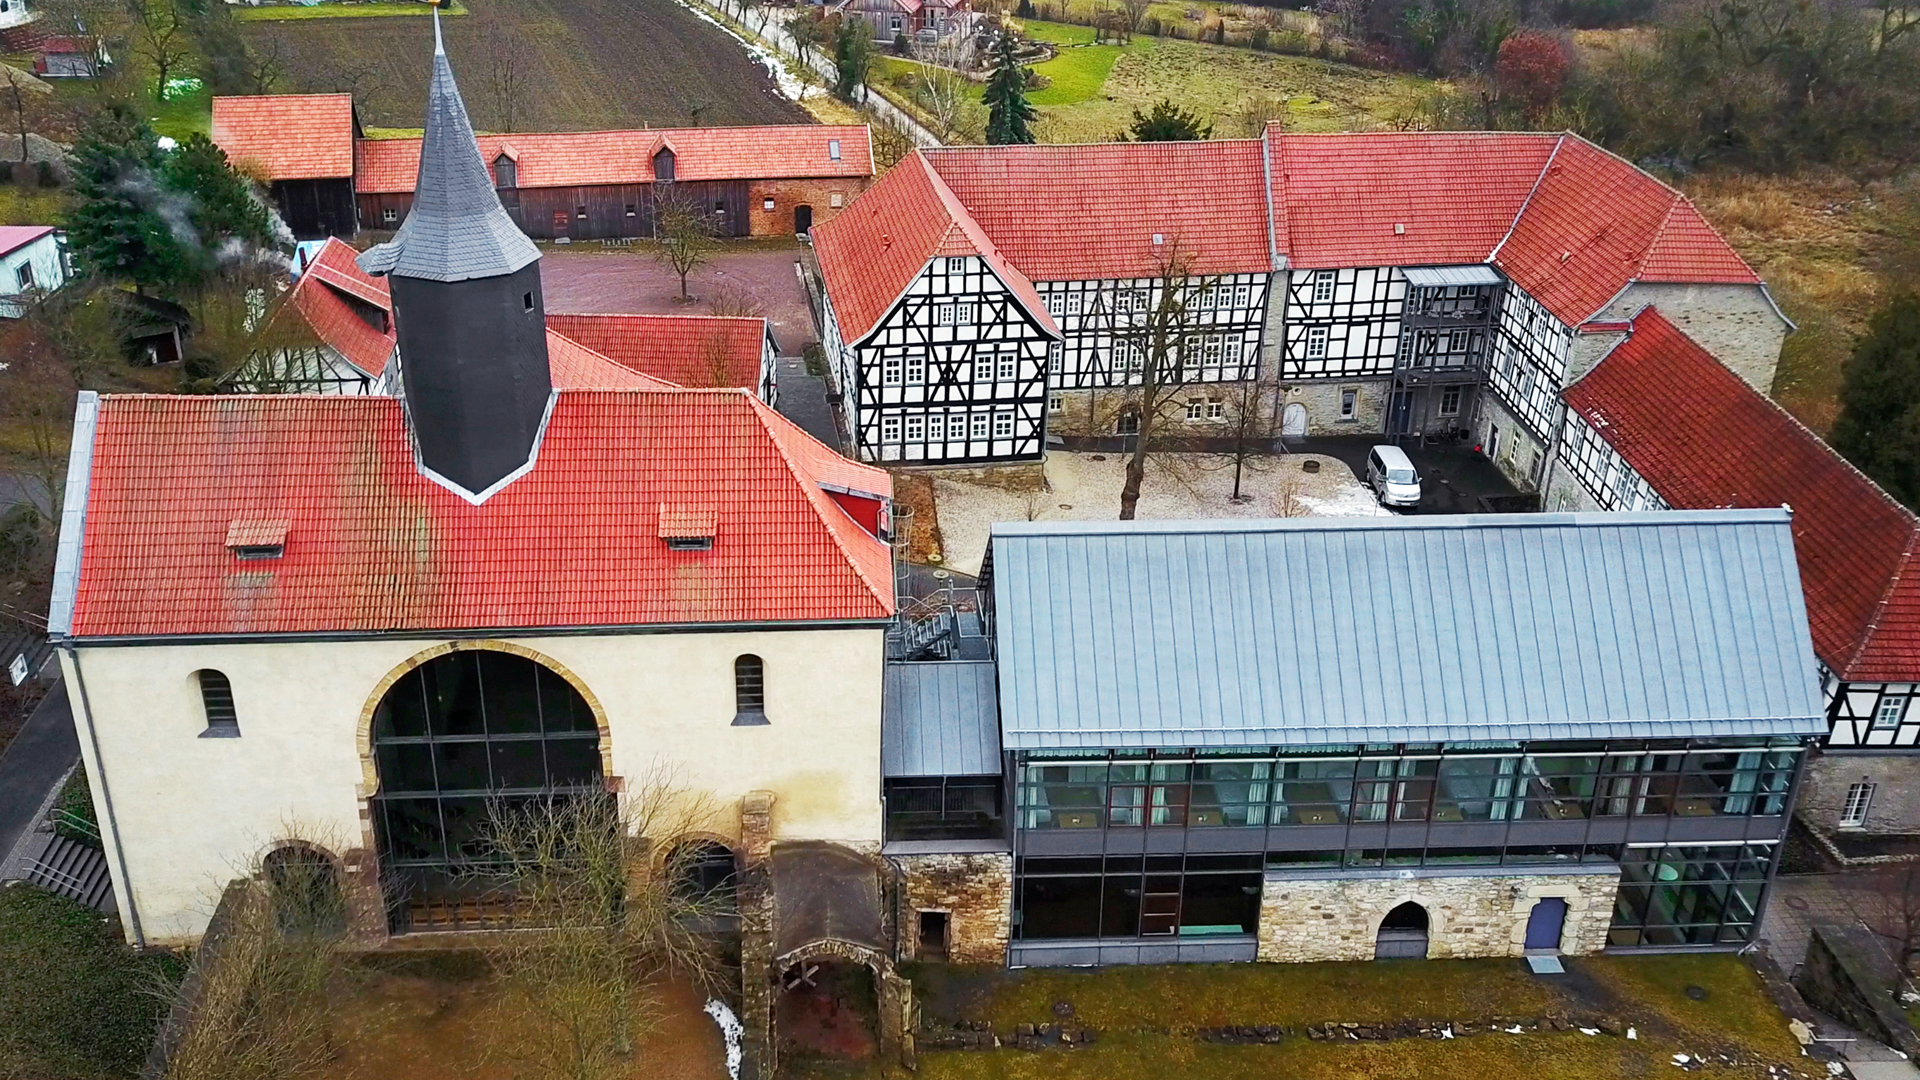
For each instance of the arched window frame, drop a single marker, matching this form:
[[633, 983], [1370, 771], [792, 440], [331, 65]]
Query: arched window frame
[[749, 691], [216, 702]]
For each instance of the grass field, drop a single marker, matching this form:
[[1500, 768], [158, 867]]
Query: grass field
[[290, 12], [1144, 1020], [586, 65]]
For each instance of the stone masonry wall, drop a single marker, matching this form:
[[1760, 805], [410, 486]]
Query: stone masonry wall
[[1308, 919], [976, 892], [1735, 323], [1321, 398], [787, 194], [1896, 795]]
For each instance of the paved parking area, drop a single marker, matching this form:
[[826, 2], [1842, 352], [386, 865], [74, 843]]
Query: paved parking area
[[1453, 478], [584, 279]]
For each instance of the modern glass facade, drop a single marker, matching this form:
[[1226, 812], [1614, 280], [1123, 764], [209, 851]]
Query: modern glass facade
[[1175, 842]]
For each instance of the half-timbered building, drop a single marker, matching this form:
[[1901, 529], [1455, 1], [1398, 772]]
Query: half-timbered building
[[1407, 284], [327, 179], [1660, 423]]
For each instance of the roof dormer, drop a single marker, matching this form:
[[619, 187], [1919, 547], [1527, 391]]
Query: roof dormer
[[687, 528], [257, 538]]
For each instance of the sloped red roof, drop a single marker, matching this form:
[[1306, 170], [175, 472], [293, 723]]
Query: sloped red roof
[[570, 158], [320, 298], [373, 545], [870, 252], [687, 350], [572, 366], [291, 136], [1400, 198], [1594, 224], [1091, 211], [1704, 439]]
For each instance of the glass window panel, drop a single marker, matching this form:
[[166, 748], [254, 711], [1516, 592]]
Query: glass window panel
[[1212, 904], [1120, 907], [462, 765], [412, 830], [561, 706], [453, 695], [406, 767], [1475, 789], [518, 764], [1060, 907], [403, 712], [467, 823], [1313, 792], [573, 761], [511, 695], [1126, 805]]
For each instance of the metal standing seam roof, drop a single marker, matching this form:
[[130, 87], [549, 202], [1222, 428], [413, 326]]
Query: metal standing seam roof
[[1424, 629], [940, 718], [1476, 274]]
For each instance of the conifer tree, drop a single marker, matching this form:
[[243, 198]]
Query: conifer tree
[[115, 228], [1879, 425], [1009, 116]]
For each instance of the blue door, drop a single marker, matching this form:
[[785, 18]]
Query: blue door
[[1543, 925]]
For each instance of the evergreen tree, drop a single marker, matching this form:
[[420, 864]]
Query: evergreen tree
[[226, 214], [1009, 116], [852, 57], [1879, 425], [116, 227], [1166, 122]]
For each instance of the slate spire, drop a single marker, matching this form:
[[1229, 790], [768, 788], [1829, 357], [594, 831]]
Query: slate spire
[[467, 308], [457, 228]]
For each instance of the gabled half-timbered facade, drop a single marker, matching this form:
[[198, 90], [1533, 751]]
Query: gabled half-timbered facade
[[1660, 423]]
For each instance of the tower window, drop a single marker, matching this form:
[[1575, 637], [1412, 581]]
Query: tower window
[[216, 697], [749, 691], [526, 301]]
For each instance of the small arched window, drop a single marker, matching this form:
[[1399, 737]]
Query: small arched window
[[749, 691], [216, 696]]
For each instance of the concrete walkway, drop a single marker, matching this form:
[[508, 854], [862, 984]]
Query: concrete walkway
[[39, 756]]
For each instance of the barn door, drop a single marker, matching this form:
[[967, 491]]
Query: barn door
[[802, 220]]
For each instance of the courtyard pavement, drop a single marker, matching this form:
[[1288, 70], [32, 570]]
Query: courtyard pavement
[[1453, 477], [585, 279], [34, 762]]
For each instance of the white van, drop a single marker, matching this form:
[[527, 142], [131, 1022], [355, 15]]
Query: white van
[[1392, 477]]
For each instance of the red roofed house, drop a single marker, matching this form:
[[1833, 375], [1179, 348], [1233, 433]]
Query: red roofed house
[[1375, 282], [328, 180], [359, 620], [1659, 423], [301, 145], [33, 262]]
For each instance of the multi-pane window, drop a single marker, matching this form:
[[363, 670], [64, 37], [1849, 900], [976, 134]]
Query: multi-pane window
[[1450, 401], [1853, 813], [1003, 425], [936, 427], [956, 266], [980, 421], [1242, 295], [1349, 404], [1891, 709], [1316, 342], [1216, 409], [1055, 303], [1689, 894], [1073, 303], [954, 314], [216, 699], [943, 808], [1056, 402], [1210, 351], [1122, 896], [1053, 358], [917, 369], [890, 371], [749, 691], [1323, 281], [890, 429], [1128, 422], [1008, 364], [916, 427], [1196, 409]]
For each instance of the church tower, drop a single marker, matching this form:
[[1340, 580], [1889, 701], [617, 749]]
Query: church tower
[[466, 306]]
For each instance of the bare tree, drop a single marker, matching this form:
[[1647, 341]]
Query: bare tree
[[684, 230], [19, 84], [1157, 352], [891, 142], [810, 34], [1251, 428], [604, 888], [1891, 907], [943, 89], [160, 38], [1136, 11], [508, 64]]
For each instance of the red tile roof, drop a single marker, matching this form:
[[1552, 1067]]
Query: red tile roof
[[373, 545], [15, 237], [1091, 211], [1400, 199], [1705, 439], [871, 252], [320, 298], [1596, 223], [572, 366], [290, 136], [687, 350], [566, 159]]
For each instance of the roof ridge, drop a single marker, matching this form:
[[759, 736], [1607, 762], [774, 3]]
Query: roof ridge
[[1527, 202], [657, 132], [815, 498], [651, 315]]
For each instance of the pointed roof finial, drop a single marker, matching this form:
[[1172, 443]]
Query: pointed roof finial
[[456, 228], [439, 47]]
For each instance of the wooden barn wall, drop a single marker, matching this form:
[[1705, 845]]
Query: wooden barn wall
[[315, 209], [551, 213]]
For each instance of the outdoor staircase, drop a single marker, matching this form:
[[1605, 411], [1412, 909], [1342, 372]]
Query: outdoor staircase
[[923, 632], [74, 870]]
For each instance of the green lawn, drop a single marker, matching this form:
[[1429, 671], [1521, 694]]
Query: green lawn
[[31, 206], [1144, 1020], [290, 12], [1080, 68], [75, 1002]]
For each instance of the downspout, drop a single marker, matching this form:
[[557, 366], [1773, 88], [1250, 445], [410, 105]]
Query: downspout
[[106, 793]]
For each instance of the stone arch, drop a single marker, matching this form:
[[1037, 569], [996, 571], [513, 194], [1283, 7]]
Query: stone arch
[[1434, 917], [309, 885]]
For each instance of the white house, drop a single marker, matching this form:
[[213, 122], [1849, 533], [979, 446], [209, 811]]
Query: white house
[[33, 262]]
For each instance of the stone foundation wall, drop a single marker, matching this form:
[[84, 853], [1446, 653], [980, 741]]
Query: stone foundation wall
[[1311, 919], [1321, 399], [975, 890]]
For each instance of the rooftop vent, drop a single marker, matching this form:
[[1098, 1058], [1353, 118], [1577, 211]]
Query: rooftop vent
[[1399, 228], [255, 538], [685, 528], [1159, 238]]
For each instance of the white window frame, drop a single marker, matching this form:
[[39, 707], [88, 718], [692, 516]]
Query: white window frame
[[1056, 402], [943, 314], [956, 264], [1055, 352], [1350, 404], [1003, 424], [1889, 711], [917, 369], [1073, 303], [1006, 365], [1859, 800], [1055, 303], [890, 371], [916, 427], [1242, 296], [1216, 410], [1196, 409], [979, 425], [936, 427], [890, 431], [1323, 285], [1317, 337], [23, 275], [1458, 396]]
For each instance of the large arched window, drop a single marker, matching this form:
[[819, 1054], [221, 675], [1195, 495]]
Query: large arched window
[[749, 691], [216, 698], [463, 731]]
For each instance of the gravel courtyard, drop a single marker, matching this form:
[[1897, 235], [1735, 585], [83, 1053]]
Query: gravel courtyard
[[1086, 487], [759, 273]]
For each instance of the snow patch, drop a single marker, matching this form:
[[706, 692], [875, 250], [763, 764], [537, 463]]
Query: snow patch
[[730, 1030]]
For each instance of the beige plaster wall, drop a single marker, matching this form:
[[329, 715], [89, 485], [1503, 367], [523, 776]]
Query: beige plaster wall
[[192, 812]]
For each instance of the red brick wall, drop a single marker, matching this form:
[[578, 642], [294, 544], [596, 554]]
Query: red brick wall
[[787, 194]]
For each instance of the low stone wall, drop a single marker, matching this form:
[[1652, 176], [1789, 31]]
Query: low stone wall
[[974, 890], [1304, 919], [1850, 974]]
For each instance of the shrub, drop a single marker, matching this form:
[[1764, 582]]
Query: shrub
[[1150, 25], [1259, 40], [1530, 69]]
